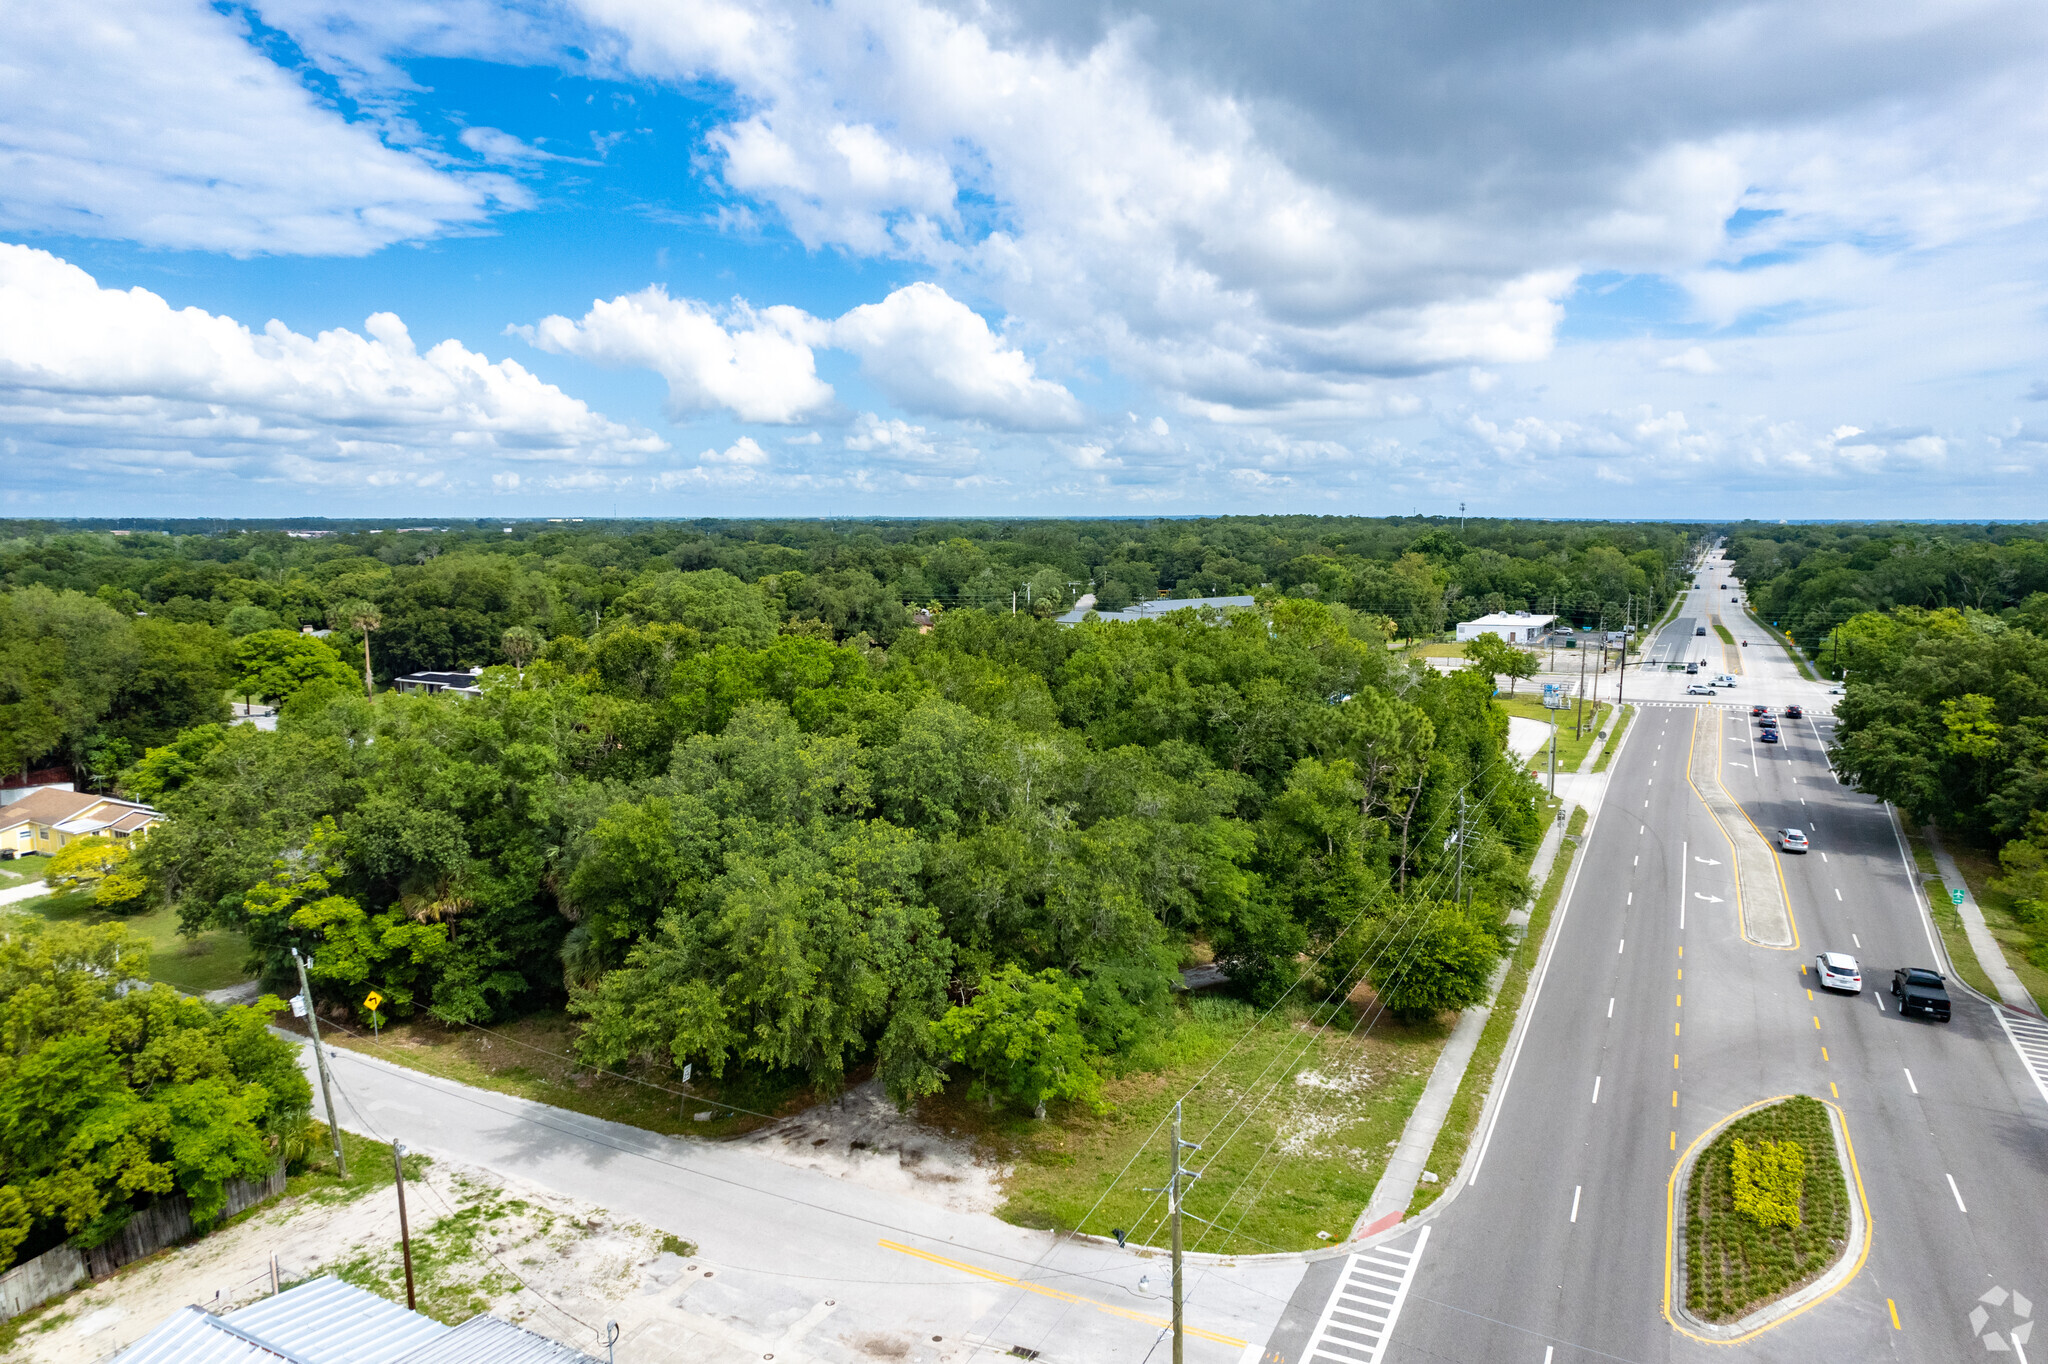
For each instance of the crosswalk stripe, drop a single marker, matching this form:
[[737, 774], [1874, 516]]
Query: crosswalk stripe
[[2029, 1037], [1363, 1307]]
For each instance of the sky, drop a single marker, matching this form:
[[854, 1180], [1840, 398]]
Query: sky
[[1683, 259]]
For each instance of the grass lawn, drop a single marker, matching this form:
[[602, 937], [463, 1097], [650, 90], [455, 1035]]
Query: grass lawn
[[211, 961], [1296, 1120], [1947, 920], [1733, 1263], [20, 870], [1571, 751], [2025, 945], [1438, 650], [1727, 637], [530, 1057], [1456, 1134]]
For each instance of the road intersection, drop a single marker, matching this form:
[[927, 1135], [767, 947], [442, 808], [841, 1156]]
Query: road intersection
[[1676, 988], [1657, 1016]]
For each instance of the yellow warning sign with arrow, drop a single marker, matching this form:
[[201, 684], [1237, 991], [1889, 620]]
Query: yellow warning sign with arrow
[[373, 1001]]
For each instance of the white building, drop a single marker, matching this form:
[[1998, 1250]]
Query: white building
[[1516, 627]]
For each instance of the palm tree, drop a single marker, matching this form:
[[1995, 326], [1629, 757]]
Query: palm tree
[[363, 616]]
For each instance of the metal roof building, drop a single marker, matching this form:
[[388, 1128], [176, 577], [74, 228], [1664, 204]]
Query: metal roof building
[[329, 1322]]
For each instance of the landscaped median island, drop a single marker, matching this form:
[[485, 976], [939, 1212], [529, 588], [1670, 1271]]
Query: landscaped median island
[[1764, 1210]]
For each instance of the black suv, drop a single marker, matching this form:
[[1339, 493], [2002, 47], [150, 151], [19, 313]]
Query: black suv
[[1920, 991]]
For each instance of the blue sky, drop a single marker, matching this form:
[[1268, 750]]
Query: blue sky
[[701, 257]]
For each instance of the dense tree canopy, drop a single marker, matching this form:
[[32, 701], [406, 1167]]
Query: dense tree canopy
[[113, 1091]]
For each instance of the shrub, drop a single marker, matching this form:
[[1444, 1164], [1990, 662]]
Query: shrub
[[1769, 1178]]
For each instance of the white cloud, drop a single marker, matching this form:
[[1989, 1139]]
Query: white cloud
[[758, 364], [159, 123], [932, 353], [106, 376], [1691, 360], [927, 350]]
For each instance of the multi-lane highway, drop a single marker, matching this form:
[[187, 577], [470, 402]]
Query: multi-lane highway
[[1672, 995]]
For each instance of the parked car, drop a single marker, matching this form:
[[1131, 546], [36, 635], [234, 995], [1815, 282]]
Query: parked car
[[1769, 736], [1697, 690], [1920, 991], [1839, 971], [1794, 713], [1791, 840]]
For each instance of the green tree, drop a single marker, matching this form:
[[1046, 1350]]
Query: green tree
[[1439, 958], [275, 664], [114, 1091], [362, 617], [1496, 657], [1020, 1037]]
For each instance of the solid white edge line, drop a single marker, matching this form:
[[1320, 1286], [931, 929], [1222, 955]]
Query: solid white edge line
[[1913, 880], [1684, 866], [1957, 1192], [1528, 1009]]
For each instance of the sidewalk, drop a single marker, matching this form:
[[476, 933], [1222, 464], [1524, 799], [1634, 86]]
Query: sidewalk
[[1989, 955], [27, 892]]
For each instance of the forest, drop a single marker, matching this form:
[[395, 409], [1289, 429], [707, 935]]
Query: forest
[[725, 799], [1942, 637]]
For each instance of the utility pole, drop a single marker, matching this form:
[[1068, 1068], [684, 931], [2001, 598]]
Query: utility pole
[[1459, 895], [1174, 1186], [1579, 716], [404, 1232], [320, 1056]]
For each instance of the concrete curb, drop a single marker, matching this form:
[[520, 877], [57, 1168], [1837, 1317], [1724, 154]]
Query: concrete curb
[[1838, 1273]]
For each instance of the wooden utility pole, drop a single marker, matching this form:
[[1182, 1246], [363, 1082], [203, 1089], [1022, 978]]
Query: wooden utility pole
[[1579, 716], [1176, 1182], [404, 1232], [320, 1057]]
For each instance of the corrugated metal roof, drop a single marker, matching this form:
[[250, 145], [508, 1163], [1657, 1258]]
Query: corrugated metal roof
[[322, 1322], [330, 1322], [193, 1337], [487, 1340]]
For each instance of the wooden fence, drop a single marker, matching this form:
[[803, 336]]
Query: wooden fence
[[164, 1222]]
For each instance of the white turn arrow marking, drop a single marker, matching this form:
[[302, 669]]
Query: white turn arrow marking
[[1710, 899], [1708, 861]]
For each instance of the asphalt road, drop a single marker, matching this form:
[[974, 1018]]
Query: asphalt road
[[884, 1277], [1655, 1020]]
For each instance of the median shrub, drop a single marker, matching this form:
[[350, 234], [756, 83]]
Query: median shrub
[[1768, 1179], [1766, 1210]]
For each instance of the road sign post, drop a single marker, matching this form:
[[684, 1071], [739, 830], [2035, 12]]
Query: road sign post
[[1955, 897], [371, 1002]]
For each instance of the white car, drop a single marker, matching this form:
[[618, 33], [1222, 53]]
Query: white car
[[1839, 971], [1697, 690], [1723, 682], [1791, 840]]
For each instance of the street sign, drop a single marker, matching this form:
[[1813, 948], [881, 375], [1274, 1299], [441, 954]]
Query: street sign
[[373, 1001], [1955, 897], [298, 1006]]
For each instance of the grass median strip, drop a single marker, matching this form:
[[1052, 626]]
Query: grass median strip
[[1766, 1210], [1455, 1135]]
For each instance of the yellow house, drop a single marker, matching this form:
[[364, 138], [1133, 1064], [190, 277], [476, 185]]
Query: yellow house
[[50, 818]]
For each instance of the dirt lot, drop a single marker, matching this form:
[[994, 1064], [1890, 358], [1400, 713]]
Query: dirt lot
[[480, 1243]]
